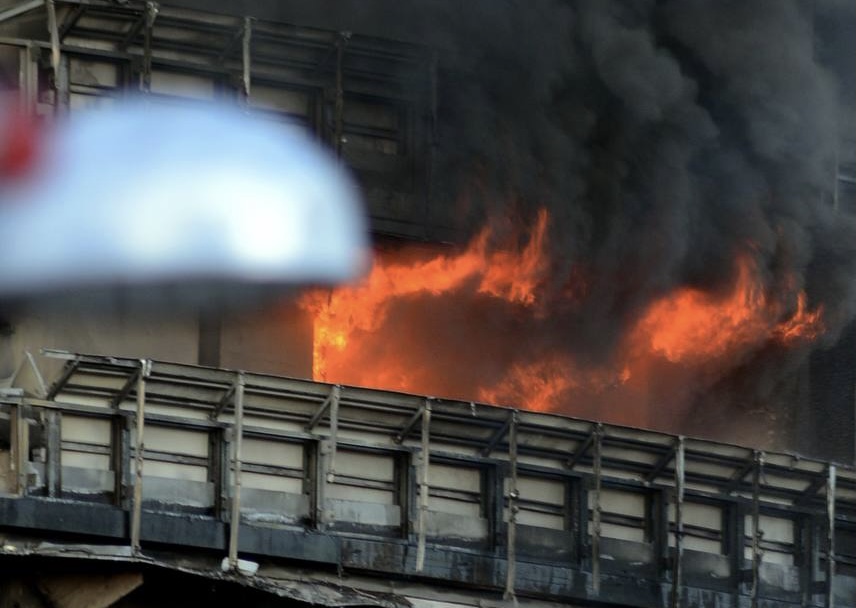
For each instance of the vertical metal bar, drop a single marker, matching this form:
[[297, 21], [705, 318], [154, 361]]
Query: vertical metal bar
[[756, 524], [830, 538], [136, 513], [59, 67], [511, 555], [235, 519], [339, 109], [424, 486], [15, 447], [246, 57], [335, 397], [326, 464], [679, 524], [53, 466], [20, 448], [595, 535], [315, 481], [53, 30], [151, 12], [26, 78]]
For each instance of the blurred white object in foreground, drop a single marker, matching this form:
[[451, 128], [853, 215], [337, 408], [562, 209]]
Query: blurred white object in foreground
[[142, 194]]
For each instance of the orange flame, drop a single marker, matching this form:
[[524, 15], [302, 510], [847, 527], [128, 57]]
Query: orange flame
[[691, 325], [686, 329], [805, 325], [539, 385], [542, 384], [507, 274]]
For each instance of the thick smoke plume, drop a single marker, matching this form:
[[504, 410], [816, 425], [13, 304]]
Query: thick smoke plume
[[666, 140]]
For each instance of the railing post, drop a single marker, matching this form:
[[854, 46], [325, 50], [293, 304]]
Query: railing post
[[596, 513], [679, 524], [59, 73], [757, 534], [830, 538], [334, 433], [235, 519], [326, 465], [151, 13], [53, 461], [246, 58], [137, 511], [20, 448], [423, 486], [513, 495]]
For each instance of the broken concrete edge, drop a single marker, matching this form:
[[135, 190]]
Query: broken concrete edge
[[308, 591]]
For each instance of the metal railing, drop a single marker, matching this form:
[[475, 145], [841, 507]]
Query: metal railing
[[521, 493]]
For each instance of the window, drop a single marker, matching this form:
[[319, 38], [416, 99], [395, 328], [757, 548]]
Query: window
[[456, 502], [364, 493], [703, 526]]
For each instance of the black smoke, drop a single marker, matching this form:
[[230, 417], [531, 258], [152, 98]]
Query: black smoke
[[666, 138]]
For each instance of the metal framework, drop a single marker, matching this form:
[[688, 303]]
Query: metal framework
[[521, 458], [371, 99]]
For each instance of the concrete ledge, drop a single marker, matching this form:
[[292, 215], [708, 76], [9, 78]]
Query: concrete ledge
[[188, 530], [63, 516], [289, 544]]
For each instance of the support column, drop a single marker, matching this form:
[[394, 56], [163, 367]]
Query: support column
[[424, 487], [151, 13], [513, 495], [137, 511], [59, 72], [53, 460], [246, 58], [596, 513], [235, 519], [20, 448], [679, 524], [756, 523], [325, 467], [830, 538]]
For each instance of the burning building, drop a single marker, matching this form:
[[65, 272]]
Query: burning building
[[591, 208], [637, 213]]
